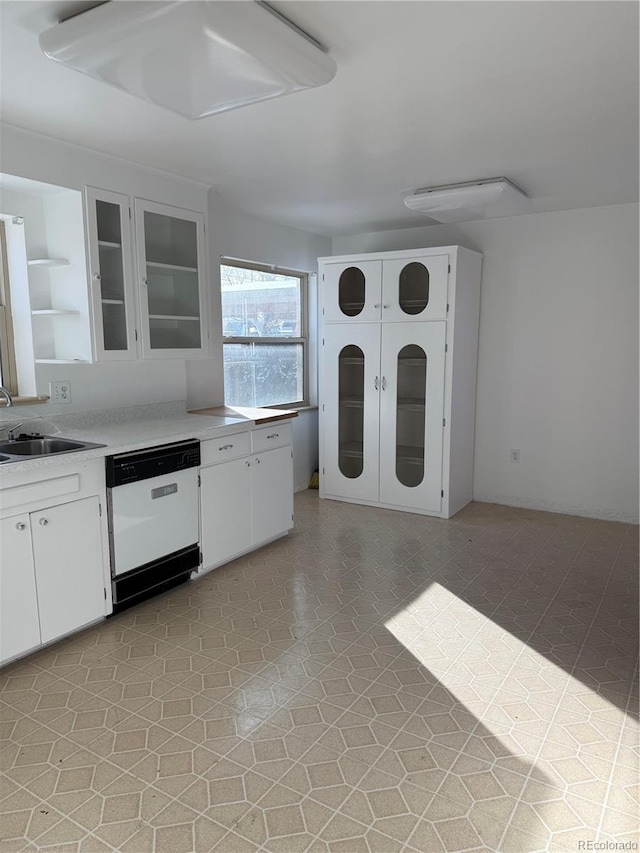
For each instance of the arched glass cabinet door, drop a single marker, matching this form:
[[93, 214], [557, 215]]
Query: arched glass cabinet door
[[351, 411], [410, 402], [413, 288], [352, 291]]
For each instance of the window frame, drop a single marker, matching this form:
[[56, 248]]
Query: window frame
[[9, 373], [303, 276]]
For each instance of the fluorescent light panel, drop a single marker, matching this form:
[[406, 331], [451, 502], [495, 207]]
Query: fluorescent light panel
[[483, 199], [196, 58]]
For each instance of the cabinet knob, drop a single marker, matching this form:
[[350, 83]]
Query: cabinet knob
[[257, 461], [21, 525], [375, 384], [144, 281], [97, 276], [377, 305], [248, 464], [44, 522]]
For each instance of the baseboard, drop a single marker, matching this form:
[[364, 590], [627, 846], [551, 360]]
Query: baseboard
[[601, 513]]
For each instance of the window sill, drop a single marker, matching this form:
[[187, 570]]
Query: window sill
[[304, 407], [25, 401]]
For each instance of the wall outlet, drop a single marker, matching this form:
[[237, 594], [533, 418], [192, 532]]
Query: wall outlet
[[515, 455], [60, 392]]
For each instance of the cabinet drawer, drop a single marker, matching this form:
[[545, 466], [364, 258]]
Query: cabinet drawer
[[277, 434], [224, 448]]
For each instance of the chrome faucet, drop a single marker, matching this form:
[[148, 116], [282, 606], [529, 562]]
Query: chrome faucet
[[7, 396], [11, 435]]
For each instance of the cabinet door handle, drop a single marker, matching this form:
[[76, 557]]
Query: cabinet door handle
[[144, 281], [377, 305], [226, 447], [385, 306], [248, 464], [384, 383], [257, 461], [375, 384], [43, 522], [274, 435], [97, 276], [21, 525]]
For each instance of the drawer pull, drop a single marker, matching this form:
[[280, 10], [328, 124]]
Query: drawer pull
[[21, 525], [226, 447], [43, 522], [274, 435]]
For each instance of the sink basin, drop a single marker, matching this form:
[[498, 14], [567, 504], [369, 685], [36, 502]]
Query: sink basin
[[40, 446]]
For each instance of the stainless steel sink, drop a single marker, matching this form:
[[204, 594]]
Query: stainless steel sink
[[42, 445]]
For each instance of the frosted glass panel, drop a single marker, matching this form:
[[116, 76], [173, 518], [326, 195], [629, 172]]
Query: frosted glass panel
[[351, 411], [411, 414], [413, 288], [351, 287]]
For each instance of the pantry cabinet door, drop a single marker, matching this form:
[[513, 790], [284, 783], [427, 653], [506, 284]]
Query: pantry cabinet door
[[415, 288], [411, 415], [352, 292], [349, 417]]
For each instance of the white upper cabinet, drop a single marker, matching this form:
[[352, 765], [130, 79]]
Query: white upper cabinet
[[111, 274], [415, 288], [407, 288], [352, 292], [171, 275], [147, 267]]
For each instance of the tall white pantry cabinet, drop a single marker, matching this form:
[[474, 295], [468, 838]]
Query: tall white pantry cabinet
[[399, 344]]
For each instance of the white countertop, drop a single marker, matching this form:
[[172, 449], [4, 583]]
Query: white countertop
[[131, 435]]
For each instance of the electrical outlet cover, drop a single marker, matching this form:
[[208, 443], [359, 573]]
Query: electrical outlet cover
[[60, 391]]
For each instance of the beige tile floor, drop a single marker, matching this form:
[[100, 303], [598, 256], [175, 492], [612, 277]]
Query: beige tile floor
[[376, 681]]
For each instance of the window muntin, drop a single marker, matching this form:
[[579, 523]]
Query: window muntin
[[265, 335]]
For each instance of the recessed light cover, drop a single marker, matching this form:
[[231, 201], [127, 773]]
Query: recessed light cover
[[470, 200], [196, 58]]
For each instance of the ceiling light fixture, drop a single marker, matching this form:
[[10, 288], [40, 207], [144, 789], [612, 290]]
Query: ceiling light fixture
[[195, 58], [482, 199]]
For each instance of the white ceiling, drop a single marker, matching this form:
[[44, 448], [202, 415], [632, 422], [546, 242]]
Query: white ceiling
[[545, 93]]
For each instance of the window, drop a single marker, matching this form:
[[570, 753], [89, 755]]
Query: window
[[8, 377], [265, 335]]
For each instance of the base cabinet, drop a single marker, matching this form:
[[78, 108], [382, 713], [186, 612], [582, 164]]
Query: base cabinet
[[398, 377], [225, 507], [19, 625], [51, 575], [67, 550], [271, 494], [247, 501]]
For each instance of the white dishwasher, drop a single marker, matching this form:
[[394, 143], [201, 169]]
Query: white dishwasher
[[153, 499]]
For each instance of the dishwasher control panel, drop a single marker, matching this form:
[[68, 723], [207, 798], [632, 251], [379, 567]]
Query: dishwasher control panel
[[153, 462]]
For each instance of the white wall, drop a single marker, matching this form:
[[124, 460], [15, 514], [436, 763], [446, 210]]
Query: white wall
[[558, 355], [236, 235]]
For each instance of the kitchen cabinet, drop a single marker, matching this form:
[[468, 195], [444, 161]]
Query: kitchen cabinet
[[170, 266], [53, 558], [246, 492], [148, 278], [19, 623], [385, 289], [67, 551], [397, 393], [111, 281]]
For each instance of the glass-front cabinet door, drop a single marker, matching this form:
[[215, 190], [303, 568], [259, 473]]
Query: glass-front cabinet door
[[111, 274], [350, 415], [352, 292], [411, 413], [171, 264], [415, 288]]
